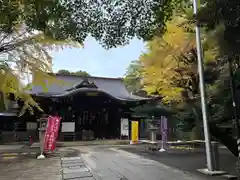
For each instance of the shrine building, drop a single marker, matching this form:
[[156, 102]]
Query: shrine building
[[86, 104]]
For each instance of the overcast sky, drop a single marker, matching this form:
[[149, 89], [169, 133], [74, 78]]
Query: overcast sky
[[96, 60]]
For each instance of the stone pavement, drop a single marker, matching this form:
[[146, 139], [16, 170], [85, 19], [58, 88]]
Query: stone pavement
[[31, 169], [115, 164], [92, 163], [74, 168], [187, 160], [27, 167]]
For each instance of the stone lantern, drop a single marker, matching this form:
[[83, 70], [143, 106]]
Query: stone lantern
[[153, 128]]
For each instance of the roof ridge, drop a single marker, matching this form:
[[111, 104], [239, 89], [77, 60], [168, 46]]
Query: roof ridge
[[96, 77]]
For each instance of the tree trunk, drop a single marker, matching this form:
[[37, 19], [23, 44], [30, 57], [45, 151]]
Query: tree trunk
[[224, 138], [197, 130]]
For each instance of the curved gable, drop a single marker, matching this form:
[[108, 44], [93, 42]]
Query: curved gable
[[112, 86]]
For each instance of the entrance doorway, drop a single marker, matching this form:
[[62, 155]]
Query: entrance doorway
[[93, 113], [103, 122], [94, 119]]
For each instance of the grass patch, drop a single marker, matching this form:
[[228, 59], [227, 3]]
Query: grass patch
[[180, 147]]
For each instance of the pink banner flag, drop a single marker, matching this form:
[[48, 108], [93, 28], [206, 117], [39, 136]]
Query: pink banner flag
[[47, 133], [56, 126], [51, 133]]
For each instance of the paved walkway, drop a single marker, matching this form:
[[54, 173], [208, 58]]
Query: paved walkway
[[27, 167], [187, 160], [31, 169], [92, 163], [116, 164], [74, 168]]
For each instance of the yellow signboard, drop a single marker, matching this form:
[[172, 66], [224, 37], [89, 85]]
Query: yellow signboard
[[134, 132]]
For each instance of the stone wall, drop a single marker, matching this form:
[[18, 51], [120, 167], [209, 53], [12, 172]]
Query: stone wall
[[11, 136]]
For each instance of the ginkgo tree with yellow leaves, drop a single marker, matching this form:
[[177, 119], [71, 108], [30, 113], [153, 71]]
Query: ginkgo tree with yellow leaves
[[220, 39], [26, 54], [160, 62], [169, 67]]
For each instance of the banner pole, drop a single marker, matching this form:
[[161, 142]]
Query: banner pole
[[162, 133], [42, 129]]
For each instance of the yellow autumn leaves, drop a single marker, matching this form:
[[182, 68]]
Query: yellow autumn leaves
[[160, 62], [29, 56]]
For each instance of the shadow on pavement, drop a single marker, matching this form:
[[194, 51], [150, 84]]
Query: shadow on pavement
[[185, 160]]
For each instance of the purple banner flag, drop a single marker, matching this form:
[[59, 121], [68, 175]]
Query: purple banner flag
[[163, 124], [164, 131]]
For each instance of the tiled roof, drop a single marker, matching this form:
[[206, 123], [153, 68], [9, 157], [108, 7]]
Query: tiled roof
[[112, 86]]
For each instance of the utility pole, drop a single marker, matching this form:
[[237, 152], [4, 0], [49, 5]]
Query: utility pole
[[202, 91]]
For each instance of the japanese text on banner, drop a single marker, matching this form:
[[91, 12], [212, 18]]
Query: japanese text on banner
[[51, 133]]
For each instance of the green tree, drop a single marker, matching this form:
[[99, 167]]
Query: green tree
[[77, 73], [221, 42], [222, 18], [132, 77], [170, 69], [81, 73], [30, 28], [64, 72], [112, 23]]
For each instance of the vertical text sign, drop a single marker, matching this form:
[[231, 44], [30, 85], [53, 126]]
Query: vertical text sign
[[124, 127], [134, 132]]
